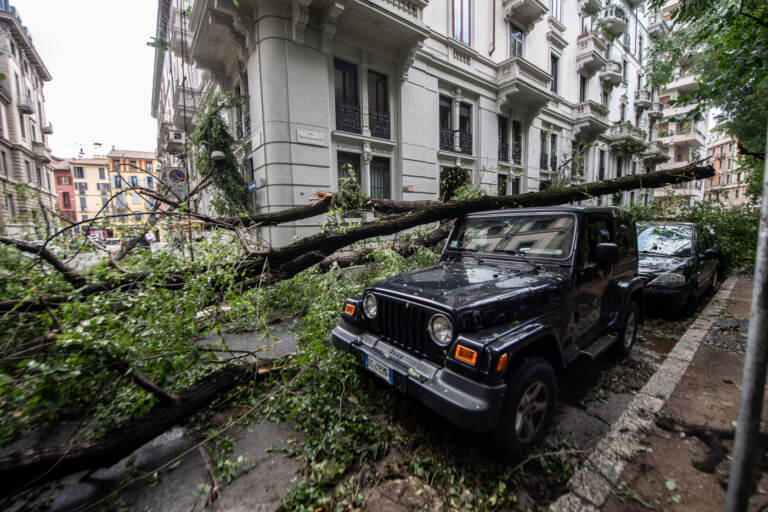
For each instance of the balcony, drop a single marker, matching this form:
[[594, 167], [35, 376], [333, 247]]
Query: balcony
[[611, 75], [657, 152], [41, 151], [525, 12], [47, 128], [591, 119], [685, 136], [590, 54], [25, 105], [684, 84], [656, 110], [446, 139], [185, 103], [465, 143], [348, 118], [379, 124], [643, 100], [625, 138], [615, 19], [590, 7], [657, 26], [522, 83]]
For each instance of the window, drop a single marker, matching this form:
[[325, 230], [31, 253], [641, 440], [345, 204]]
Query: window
[[446, 123], [48, 181], [640, 48], [543, 150], [104, 202], [149, 182], [462, 20], [13, 49], [133, 164], [502, 184], [85, 217], [380, 178], [554, 68], [82, 204], [149, 166], [29, 171], [39, 176], [78, 173], [624, 67], [553, 151], [623, 112], [134, 181], [136, 217], [346, 163], [619, 166], [4, 162], [66, 203], [378, 105], [102, 173], [135, 198], [81, 187], [517, 142], [634, 168], [465, 128], [346, 94], [556, 10], [736, 194], [601, 165], [115, 165], [639, 81], [117, 181], [583, 81], [503, 140], [63, 180], [9, 206], [22, 126], [516, 37]]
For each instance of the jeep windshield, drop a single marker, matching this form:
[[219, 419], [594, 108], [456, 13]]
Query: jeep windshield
[[665, 239], [536, 236]]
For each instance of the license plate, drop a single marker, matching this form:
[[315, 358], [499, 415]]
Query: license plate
[[379, 368]]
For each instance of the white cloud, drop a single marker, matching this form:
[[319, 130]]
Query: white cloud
[[102, 70]]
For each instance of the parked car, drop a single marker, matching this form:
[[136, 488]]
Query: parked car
[[679, 261], [516, 296]]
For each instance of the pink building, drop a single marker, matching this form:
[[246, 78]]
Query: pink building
[[65, 189]]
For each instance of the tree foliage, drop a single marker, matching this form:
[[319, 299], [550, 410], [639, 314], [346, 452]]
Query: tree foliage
[[725, 42]]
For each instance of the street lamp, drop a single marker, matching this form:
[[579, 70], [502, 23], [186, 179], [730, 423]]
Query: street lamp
[[218, 155]]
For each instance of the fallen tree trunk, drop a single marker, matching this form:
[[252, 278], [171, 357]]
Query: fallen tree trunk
[[21, 469]]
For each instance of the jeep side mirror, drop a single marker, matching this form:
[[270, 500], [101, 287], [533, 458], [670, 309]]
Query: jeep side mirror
[[606, 254], [711, 254]]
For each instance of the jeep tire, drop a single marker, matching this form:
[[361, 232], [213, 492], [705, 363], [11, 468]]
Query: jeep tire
[[529, 406], [626, 339]]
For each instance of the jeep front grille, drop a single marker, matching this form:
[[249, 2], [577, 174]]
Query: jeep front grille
[[403, 324]]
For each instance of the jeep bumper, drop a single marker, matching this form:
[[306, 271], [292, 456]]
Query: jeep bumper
[[469, 404]]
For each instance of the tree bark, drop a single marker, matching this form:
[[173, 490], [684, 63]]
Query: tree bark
[[20, 469]]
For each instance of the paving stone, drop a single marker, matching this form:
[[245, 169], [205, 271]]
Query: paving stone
[[663, 382]]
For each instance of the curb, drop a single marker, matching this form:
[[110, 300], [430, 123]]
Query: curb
[[591, 485]]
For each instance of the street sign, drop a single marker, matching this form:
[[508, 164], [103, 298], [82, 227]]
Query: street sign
[[252, 185], [175, 178]]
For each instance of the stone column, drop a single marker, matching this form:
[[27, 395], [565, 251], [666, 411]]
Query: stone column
[[362, 80], [365, 177], [458, 97]]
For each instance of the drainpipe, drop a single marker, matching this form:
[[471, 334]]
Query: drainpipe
[[747, 444], [493, 28]]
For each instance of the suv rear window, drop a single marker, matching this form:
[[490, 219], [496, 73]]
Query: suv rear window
[[539, 236]]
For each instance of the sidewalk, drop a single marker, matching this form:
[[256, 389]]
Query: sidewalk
[[639, 466]]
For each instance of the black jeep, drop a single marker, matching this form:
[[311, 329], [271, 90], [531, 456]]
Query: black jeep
[[516, 295]]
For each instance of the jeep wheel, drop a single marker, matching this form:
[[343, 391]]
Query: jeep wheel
[[628, 333], [529, 406]]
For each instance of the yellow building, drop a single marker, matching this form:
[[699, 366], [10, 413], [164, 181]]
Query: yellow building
[[128, 170], [90, 177]]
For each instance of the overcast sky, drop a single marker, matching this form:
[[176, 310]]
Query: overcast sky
[[102, 70]]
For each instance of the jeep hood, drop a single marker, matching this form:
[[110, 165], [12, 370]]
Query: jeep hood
[[652, 265], [480, 294]]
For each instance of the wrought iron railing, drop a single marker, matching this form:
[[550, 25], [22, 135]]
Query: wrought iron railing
[[379, 122], [348, 118], [465, 143], [503, 151], [243, 127], [446, 139]]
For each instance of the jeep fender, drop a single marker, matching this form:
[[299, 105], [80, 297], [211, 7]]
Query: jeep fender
[[621, 293], [533, 337]]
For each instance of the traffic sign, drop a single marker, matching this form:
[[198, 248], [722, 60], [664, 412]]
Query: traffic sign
[[175, 179]]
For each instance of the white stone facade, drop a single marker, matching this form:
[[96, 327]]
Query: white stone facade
[[404, 90], [26, 176]]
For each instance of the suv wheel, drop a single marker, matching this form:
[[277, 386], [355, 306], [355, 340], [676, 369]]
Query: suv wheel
[[528, 407], [626, 339]]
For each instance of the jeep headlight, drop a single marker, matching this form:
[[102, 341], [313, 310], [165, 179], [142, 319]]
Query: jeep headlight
[[668, 278], [370, 306], [440, 329]]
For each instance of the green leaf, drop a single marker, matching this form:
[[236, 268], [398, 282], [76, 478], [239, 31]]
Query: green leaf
[[670, 484]]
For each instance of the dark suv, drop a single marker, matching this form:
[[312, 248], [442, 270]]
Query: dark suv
[[516, 295]]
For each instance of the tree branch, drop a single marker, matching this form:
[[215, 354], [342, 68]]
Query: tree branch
[[70, 275]]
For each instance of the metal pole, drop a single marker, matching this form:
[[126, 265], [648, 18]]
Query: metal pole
[[745, 450]]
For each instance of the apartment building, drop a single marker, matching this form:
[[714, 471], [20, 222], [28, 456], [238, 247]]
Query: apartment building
[[91, 183], [26, 176], [510, 95], [65, 190], [729, 184], [128, 169]]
